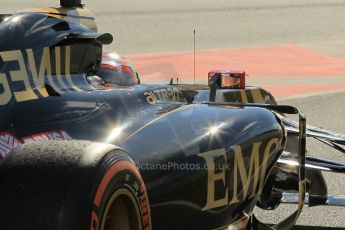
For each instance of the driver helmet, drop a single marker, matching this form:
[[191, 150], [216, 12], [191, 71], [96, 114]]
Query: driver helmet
[[116, 69]]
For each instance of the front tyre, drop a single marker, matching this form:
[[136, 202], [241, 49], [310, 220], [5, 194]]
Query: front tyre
[[120, 201], [72, 185]]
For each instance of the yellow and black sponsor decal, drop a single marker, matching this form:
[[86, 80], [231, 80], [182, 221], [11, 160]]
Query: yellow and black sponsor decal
[[240, 179], [23, 75], [164, 95], [249, 95]]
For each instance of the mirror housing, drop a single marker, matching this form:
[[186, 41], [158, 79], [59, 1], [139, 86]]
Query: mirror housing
[[96, 81]]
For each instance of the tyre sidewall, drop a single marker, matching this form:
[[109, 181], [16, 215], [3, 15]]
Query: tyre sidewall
[[118, 172]]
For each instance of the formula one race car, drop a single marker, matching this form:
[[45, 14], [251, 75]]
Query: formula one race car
[[78, 153]]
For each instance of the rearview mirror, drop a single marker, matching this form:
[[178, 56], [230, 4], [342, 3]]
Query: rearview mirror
[[96, 81]]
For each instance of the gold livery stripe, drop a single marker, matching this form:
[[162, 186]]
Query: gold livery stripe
[[81, 16], [244, 97], [257, 97]]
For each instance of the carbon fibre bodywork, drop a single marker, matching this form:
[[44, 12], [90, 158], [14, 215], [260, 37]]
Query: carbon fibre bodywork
[[283, 183], [45, 95], [204, 165]]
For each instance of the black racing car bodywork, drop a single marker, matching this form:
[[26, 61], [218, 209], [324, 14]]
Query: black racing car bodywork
[[204, 165]]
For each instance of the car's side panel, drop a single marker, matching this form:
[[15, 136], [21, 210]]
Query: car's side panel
[[173, 144], [205, 163]]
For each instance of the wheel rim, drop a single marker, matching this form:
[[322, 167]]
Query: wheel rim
[[122, 212]]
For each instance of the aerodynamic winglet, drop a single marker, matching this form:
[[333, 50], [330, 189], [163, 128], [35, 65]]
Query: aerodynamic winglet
[[103, 38]]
